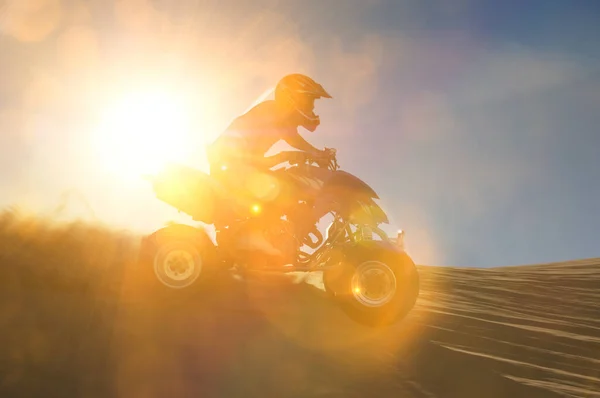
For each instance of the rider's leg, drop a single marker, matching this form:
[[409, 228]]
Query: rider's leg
[[306, 216], [234, 182]]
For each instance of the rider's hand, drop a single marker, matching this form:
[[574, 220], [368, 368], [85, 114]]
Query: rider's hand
[[331, 152], [327, 156], [320, 154]]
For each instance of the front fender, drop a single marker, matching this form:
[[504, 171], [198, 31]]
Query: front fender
[[350, 181], [387, 245], [355, 198]]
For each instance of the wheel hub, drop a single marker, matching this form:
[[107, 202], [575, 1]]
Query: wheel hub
[[373, 284], [178, 265]]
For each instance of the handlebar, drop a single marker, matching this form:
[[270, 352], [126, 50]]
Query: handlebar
[[328, 160]]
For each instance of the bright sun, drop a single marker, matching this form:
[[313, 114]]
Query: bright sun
[[142, 132]]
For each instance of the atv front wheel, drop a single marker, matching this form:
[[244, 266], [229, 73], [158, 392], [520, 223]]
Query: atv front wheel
[[375, 286]]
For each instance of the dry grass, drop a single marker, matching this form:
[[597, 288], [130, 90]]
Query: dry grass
[[36, 252], [59, 284]]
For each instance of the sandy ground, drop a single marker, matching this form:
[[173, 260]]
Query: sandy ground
[[538, 325], [531, 331]]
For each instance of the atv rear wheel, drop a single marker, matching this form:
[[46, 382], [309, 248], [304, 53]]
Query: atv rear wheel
[[175, 260], [178, 264]]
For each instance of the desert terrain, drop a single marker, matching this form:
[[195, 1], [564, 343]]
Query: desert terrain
[[78, 318]]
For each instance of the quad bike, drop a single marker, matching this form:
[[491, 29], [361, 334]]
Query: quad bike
[[367, 273]]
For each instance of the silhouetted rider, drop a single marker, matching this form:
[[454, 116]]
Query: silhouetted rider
[[240, 149], [250, 136]]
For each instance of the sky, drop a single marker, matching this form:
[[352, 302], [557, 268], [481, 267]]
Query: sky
[[475, 121]]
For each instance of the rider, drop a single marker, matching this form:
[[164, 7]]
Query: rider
[[240, 150]]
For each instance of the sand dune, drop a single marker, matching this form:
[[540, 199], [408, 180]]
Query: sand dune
[[539, 325], [77, 318]]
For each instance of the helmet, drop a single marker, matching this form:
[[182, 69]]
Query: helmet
[[299, 92]]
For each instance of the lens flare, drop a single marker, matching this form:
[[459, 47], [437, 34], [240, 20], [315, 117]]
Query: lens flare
[[255, 208]]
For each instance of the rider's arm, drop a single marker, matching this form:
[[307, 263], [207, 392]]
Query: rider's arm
[[274, 160], [294, 139]]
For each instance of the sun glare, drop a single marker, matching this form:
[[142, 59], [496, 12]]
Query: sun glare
[[141, 132]]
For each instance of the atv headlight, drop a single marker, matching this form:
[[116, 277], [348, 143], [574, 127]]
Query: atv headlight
[[400, 239]]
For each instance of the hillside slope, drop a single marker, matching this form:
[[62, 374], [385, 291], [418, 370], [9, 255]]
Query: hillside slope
[[538, 325], [77, 318]]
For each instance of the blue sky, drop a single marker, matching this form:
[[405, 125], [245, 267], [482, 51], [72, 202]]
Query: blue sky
[[476, 121]]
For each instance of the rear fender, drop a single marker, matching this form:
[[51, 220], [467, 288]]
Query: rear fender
[[188, 190], [198, 237]]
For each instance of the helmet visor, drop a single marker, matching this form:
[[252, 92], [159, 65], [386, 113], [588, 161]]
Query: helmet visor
[[306, 105]]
